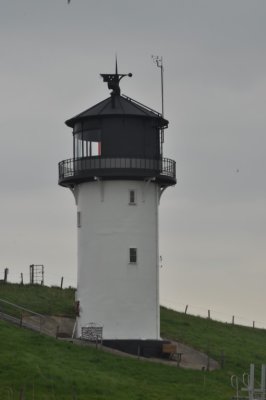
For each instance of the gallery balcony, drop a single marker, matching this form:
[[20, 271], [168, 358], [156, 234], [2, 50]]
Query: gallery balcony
[[73, 171]]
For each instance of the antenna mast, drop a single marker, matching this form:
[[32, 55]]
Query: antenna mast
[[158, 60]]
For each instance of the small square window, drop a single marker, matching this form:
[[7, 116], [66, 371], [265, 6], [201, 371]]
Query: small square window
[[79, 219], [133, 255], [132, 197]]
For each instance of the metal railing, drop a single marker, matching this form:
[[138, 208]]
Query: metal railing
[[29, 319], [88, 165], [20, 315]]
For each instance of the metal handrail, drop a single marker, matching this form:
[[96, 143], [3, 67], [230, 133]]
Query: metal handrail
[[76, 166], [24, 317], [21, 308], [137, 103]]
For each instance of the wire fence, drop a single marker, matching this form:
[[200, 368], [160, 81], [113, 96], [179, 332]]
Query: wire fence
[[36, 274], [212, 313], [234, 318]]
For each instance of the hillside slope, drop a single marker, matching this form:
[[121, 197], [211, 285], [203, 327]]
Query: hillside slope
[[45, 368]]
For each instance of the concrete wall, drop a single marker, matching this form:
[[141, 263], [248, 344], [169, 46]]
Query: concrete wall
[[121, 296]]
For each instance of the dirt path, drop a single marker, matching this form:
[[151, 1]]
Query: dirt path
[[186, 357], [194, 359], [190, 358]]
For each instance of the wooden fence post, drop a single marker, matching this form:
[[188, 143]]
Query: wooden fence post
[[222, 359], [208, 355], [186, 309], [31, 274], [138, 351], [5, 276], [21, 394]]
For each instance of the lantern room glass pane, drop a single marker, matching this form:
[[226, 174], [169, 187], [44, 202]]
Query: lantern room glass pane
[[87, 140], [84, 148]]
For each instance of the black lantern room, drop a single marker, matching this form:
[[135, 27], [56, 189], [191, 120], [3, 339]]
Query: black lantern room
[[118, 138]]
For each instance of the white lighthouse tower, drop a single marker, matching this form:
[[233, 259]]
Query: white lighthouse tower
[[117, 175]]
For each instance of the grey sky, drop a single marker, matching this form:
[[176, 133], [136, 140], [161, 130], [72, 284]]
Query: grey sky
[[213, 223]]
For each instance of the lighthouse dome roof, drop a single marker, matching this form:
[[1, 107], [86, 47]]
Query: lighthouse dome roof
[[117, 105]]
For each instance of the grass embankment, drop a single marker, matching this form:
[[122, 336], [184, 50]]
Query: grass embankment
[[237, 345], [49, 369], [41, 299]]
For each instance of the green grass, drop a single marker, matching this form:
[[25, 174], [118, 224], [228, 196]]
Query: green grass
[[50, 369], [41, 299], [240, 345], [45, 368]]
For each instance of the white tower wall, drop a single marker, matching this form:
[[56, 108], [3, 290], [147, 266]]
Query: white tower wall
[[121, 296]]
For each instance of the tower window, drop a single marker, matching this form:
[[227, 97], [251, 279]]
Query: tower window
[[133, 255], [132, 197]]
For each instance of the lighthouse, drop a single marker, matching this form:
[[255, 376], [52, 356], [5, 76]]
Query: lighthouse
[[117, 176]]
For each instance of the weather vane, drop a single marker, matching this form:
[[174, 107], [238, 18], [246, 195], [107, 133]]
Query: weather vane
[[158, 60], [114, 79]]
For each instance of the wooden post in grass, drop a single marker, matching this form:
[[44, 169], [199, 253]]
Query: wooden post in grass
[[62, 280], [178, 359], [186, 309], [138, 351], [41, 321], [31, 274], [5, 275], [21, 394], [21, 278], [208, 356], [233, 320], [209, 314], [74, 396], [42, 269], [222, 359]]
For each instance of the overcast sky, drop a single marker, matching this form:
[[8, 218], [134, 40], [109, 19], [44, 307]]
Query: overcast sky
[[213, 222]]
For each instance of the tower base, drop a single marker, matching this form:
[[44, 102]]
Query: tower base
[[142, 348]]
